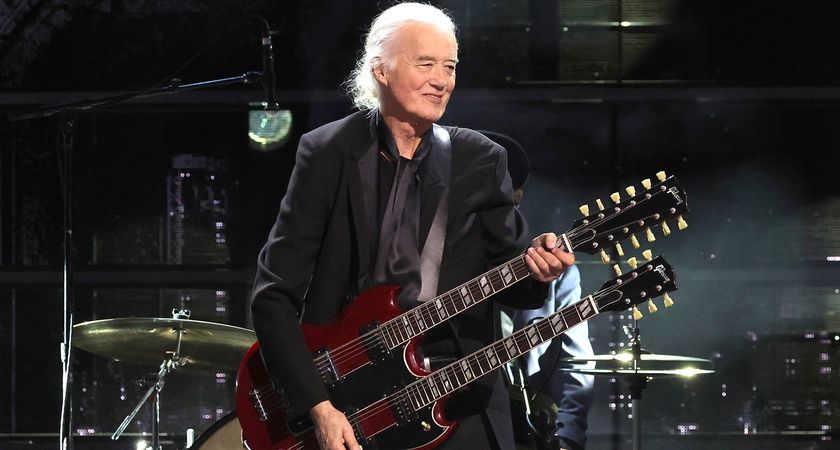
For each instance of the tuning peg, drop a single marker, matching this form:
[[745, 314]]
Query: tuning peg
[[637, 315], [584, 209], [661, 175], [618, 249], [600, 205], [665, 229], [649, 235], [633, 263], [651, 307], [604, 257], [631, 191], [648, 255], [617, 270], [646, 183], [681, 223], [667, 300], [615, 197], [634, 241]]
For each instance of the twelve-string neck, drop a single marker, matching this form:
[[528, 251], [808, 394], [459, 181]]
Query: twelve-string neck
[[433, 312]]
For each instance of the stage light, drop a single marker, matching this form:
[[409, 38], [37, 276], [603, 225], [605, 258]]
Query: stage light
[[268, 130]]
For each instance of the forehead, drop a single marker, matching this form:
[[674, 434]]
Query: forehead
[[416, 40]]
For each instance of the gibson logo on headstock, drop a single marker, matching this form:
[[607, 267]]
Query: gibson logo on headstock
[[676, 193], [661, 270]]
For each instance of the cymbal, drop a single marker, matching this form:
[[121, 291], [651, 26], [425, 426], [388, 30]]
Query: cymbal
[[648, 364], [205, 346], [626, 357], [683, 372]]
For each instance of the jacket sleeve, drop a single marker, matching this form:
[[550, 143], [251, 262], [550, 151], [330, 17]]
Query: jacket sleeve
[[284, 269]]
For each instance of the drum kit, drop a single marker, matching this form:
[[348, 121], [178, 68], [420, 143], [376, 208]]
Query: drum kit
[[175, 343]]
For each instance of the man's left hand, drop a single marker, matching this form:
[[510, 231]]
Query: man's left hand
[[546, 259]]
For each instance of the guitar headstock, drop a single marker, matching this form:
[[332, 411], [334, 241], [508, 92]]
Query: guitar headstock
[[653, 206], [643, 283]]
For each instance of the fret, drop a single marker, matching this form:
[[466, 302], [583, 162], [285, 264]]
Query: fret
[[521, 270], [585, 309], [506, 274], [522, 341], [466, 369], [511, 348], [440, 386], [441, 310], [433, 388], [459, 377], [449, 304], [425, 395], [485, 286], [385, 332], [544, 330], [557, 323], [407, 326], [419, 320], [502, 351], [495, 278], [533, 336], [465, 295], [475, 290], [447, 382], [492, 357], [415, 399]]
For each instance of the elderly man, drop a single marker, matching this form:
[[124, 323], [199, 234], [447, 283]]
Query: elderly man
[[360, 211]]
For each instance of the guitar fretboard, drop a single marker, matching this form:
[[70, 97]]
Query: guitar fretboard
[[433, 312], [448, 379]]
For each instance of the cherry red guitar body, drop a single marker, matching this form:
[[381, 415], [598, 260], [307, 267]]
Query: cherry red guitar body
[[357, 376]]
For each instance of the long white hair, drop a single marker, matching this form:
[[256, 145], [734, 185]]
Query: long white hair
[[362, 86]]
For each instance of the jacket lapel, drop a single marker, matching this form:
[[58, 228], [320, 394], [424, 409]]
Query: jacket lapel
[[439, 169], [361, 185]]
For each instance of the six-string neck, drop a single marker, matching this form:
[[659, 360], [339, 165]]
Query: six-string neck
[[445, 381]]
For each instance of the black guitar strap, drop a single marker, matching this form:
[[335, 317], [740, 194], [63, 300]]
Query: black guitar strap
[[432, 254]]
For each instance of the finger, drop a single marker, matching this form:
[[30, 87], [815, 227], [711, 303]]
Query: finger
[[565, 257], [350, 438], [550, 241], [538, 265]]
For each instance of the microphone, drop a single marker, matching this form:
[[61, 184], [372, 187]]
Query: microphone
[[268, 72]]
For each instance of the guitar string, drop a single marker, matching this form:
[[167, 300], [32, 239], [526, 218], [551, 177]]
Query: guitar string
[[360, 344], [450, 370], [405, 393], [571, 234]]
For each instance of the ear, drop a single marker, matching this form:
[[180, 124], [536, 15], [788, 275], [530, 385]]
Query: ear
[[379, 72]]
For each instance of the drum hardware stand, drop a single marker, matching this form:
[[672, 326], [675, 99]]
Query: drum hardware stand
[[173, 362], [636, 383], [67, 119]]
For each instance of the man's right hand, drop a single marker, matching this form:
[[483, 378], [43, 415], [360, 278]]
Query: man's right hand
[[332, 428]]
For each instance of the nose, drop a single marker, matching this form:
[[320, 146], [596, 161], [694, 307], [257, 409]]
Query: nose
[[438, 77]]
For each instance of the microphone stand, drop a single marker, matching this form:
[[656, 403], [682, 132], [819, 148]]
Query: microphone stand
[[67, 113]]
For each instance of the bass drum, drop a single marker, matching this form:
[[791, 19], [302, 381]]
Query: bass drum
[[226, 434]]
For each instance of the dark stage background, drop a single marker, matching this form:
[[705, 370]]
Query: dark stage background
[[740, 99]]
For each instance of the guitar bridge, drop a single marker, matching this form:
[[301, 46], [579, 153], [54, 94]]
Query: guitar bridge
[[376, 348], [259, 407]]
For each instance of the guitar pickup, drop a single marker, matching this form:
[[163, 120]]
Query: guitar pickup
[[375, 345], [326, 367], [402, 409]]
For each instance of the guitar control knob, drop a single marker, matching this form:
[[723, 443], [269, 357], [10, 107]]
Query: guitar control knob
[[425, 425]]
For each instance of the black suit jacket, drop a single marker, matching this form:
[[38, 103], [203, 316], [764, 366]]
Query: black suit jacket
[[318, 254]]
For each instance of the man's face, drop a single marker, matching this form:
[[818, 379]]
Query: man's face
[[416, 84]]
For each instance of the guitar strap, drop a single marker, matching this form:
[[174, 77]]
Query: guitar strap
[[432, 254]]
